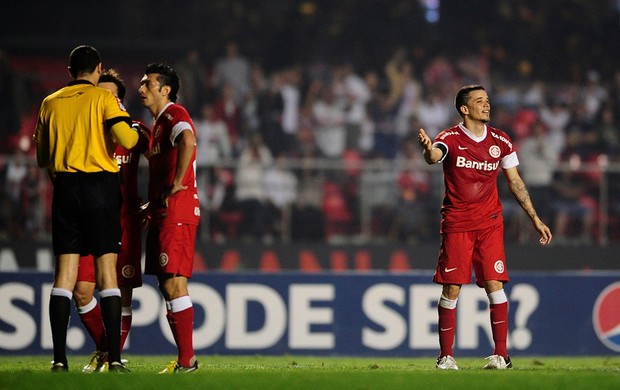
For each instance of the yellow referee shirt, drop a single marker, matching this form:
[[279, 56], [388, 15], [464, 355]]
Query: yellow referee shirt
[[74, 125]]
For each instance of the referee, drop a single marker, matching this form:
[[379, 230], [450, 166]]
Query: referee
[[76, 133]]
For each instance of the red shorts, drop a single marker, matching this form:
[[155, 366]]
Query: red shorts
[[482, 250], [170, 249], [86, 269], [128, 267]]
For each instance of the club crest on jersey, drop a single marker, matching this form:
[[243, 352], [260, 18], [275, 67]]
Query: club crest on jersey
[[163, 259], [495, 151], [128, 271], [157, 131], [499, 266]]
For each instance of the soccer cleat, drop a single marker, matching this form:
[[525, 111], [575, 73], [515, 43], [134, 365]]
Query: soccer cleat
[[117, 367], [446, 363], [497, 362], [59, 367], [105, 367], [175, 368], [97, 361]]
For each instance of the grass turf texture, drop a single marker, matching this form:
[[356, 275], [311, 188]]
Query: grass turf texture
[[297, 372]]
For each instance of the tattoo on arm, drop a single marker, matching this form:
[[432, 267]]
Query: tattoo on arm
[[518, 189]]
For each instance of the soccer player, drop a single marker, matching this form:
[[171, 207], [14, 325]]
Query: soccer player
[[76, 132], [472, 231], [128, 269], [174, 206]]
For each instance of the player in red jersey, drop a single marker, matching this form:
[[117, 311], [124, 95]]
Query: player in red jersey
[[129, 275], [472, 230], [174, 206]]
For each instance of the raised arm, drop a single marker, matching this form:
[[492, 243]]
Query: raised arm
[[431, 155]]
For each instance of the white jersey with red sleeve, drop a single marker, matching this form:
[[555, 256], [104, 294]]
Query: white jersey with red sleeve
[[471, 165], [183, 207]]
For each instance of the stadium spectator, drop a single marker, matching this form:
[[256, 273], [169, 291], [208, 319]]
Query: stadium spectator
[[556, 116], [250, 192], [233, 69], [270, 108], [329, 116], [573, 206], [378, 195], [411, 220], [434, 112], [281, 191], [383, 111], [413, 206], [352, 93], [307, 219], [538, 163], [592, 95], [258, 86], [193, 75], [291, 102], [212, 150], [227, 110], [212, 137]]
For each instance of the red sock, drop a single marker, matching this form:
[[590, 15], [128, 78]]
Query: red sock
[[93, 323], [499, 326], [173, 326], [447, 330], [125, 326], [182, 325]]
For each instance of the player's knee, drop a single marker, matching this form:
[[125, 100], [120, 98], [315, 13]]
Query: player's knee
[[83, 294]]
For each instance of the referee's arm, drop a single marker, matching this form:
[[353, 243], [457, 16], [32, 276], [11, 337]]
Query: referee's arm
[[123, 133]]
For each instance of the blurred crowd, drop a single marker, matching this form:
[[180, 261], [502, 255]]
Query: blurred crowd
[[327, 152]]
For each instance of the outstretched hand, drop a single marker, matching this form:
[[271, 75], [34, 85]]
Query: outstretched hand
[[424, 140]]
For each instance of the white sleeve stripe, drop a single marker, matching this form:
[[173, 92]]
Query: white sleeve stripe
[[509, 161], [178, 129]]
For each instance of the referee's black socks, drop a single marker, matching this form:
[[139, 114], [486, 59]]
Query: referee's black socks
[[111, 312], [59, 312]]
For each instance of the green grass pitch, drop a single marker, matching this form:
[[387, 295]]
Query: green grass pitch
[[306, 372]]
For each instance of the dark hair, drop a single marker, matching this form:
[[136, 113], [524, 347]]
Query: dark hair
[[83, 59], [112, 76], [462, 96], [167, 76]]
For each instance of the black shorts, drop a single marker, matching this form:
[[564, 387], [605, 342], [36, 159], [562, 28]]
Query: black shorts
[[86, 213]]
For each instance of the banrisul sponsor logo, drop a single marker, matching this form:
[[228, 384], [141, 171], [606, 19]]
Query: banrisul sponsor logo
[[606, 316], [462, 162]]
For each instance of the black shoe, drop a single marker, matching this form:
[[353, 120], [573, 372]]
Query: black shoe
[[179, 369], [60, 367], [117, 367], [175, 368]]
